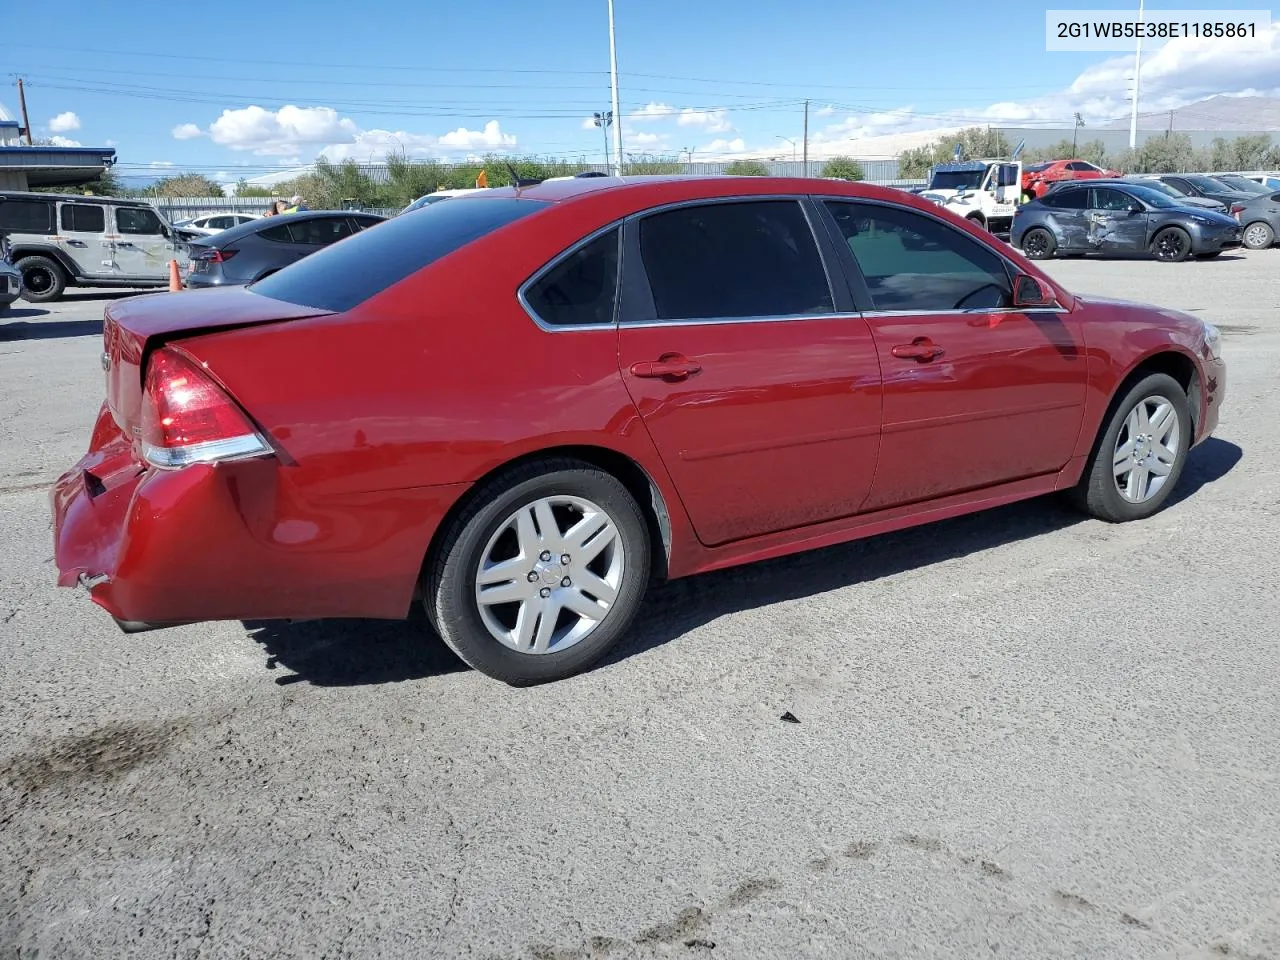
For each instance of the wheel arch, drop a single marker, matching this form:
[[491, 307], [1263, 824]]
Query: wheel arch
[[69, 266], [1177, 364], [639, 483]]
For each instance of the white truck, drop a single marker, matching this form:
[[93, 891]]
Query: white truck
[[984, 191]]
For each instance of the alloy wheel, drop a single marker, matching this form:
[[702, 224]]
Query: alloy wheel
[[1171, 245], [549, 575], [1257, 236], [38, 280], [1146, 449], [1035, 245]]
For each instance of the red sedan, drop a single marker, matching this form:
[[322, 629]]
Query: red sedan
[[1039, 177], [518, 407]]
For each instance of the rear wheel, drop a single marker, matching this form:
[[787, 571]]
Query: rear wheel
[[1140, 455], [542, 574], [1038, 244], [1171, 245], [42, 279], [1259, 236]]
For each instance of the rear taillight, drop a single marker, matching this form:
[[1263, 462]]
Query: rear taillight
[[187, 418], [1237, 210], [210, 255]]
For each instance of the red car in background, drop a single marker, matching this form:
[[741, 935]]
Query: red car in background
[[519, 407], [1037, 178]]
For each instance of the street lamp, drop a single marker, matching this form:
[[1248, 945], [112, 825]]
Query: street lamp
[[604, 120], [613, 84], [793, 146]]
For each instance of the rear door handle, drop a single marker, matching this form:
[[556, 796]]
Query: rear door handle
[[669, 365], [921, 349]]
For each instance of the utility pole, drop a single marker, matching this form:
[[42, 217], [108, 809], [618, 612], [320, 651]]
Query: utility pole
[[689, 152], [22, 105], [1079, 124], [613, 83], [806, 138], [1137, 82]]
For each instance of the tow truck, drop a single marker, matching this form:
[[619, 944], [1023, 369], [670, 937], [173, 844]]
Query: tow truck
[[984, 191]]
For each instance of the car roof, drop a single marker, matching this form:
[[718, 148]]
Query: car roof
[[266, 223], [72, 197]]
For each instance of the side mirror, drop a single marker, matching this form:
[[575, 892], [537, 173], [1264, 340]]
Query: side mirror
[[1030, 292]]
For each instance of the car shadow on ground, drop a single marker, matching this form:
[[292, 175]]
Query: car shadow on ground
[[49, 330], [355, 652]]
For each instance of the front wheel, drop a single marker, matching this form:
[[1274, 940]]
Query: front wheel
[[1171, 245], [1259, 236], [1140, 455], [1038, 244], [542, 574]]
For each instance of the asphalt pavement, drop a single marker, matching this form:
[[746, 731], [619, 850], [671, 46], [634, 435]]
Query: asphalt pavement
[[1021, 734]]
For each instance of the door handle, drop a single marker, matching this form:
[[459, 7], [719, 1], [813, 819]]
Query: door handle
[[670, 365], [921, 349]]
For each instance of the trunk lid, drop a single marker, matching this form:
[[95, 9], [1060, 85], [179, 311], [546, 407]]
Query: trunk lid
[[132, 328]]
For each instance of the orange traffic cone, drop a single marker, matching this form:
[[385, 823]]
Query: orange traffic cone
[[175, 278]]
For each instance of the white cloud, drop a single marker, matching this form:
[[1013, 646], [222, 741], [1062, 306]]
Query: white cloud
[[720, 147], [111, 143], [160, 164], [826, 111], [281, 132], [712, 121], [491, 136], [187, 131], [654, 111], [64, 122], [64, 142], [642, 139]]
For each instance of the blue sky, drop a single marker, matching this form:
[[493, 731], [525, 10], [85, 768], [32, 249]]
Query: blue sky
[[231, 90]]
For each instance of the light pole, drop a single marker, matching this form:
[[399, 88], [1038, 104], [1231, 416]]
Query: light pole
[[1137, 82], [613, 84], [604, 120], [689, 153], [793, 146]]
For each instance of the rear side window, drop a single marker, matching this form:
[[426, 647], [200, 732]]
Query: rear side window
[[732, 260], [320, 231], [339, 277], [83, 218], [1067, 199], [279, 234], [26, 216], [580, 289]]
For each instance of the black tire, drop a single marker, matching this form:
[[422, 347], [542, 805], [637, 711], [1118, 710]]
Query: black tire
[[43, 279], [1038, 244], [449, 587], [1171, 245], [978, 222], [1260, 233], [1098, 493]]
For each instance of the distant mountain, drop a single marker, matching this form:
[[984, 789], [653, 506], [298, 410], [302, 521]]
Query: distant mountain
[[1227, 114]]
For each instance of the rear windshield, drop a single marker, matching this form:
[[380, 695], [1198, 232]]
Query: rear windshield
[[339, 277]]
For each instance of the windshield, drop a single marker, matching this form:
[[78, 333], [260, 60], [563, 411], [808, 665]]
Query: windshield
[[1206, 184], [1244, 185], [1037, 167], [1159, 186], [955, 179], [1152, 197]]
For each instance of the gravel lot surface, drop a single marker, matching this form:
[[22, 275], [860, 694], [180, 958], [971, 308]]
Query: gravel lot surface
[[1022, 734]]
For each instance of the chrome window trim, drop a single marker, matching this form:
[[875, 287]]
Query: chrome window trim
[[541, 272]]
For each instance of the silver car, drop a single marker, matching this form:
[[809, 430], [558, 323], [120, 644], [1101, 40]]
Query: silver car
[[65, 240]]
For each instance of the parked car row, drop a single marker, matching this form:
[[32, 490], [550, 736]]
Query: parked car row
[[1171, 217]]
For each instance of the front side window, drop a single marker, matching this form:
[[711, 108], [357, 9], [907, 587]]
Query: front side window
[[137, 221], [83, 218], [1107, 199], [914, 263], [733, 260], [582, 288]]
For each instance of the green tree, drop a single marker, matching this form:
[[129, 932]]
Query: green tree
[[245, 189], [975, 143], [652, 167], [187, 185], [747, 168], [915, 162], [842, 168], [408, 180], [1242, 153]]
